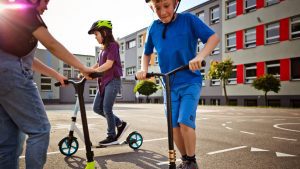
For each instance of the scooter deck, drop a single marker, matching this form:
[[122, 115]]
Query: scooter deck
[[113, 145]]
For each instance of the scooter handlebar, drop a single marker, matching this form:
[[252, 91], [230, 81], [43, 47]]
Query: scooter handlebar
[[92, 75]]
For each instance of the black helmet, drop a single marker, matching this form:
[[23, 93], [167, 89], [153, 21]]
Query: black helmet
[[98, 24]]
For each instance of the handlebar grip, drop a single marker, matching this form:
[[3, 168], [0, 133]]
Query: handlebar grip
[[96, 74], [203, 63], [57, 84]]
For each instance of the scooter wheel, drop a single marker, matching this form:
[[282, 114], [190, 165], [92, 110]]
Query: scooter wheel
[[135, 140], [68, 146]]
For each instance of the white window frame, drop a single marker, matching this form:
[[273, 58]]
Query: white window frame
[[140, 41], [200, 46], [202, 71], [297, 32], [295, 60], [232, 81], [46, 84], [269, 65], [212, 12], [92, 91], [215, 82], [251, 78], [122, 47], [232, 47], [228, 5], [248, 33], [269, 27], [216, 51], [250, 8], [130, 70], [272, 2], [131, 44], [201, 15]]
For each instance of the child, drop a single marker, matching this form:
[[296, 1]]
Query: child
[[21, 107], [175, 37], [109, 85]]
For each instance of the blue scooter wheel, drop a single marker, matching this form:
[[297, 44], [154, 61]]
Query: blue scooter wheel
[[135, 140], [68, 146]]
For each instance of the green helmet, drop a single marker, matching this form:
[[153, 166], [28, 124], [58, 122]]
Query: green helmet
[[98, 24]]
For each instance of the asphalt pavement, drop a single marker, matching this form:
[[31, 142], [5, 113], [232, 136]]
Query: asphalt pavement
[[227, 138]]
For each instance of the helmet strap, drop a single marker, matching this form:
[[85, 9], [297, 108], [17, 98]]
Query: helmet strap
[[167, 24]]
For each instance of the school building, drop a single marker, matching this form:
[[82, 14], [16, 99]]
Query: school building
[[260, 36]]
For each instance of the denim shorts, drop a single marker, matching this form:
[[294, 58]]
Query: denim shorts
[[185, 100]]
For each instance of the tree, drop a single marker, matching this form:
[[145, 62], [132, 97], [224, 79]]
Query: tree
[[267, 83], [146, 87], [222, 71]]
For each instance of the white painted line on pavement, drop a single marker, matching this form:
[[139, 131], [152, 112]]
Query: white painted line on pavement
[[225, 150], [228, 122], [279, 119], [253, 149], [247, 132], [276, 126], [228, 128], [157, 139], [166, 162], [281, 138], [223, 124], [278, 154], [58, 152]]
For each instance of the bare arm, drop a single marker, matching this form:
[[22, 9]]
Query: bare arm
[[212, 42], [46, 70], [58, 49], [142, 73], [107, 65]]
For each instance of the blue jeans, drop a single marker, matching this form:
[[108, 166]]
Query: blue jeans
[[103, 105], [21, 111]]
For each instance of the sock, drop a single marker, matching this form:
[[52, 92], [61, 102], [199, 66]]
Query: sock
[[191, 158], [183, 158]]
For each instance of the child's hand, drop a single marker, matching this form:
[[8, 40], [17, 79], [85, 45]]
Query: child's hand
[[195, 64], [61, 79], [141, 75]]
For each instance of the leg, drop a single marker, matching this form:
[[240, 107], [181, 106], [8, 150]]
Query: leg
[[24, 105], [179, 141], [98, 104], [189, 139], [9, 145], [110, 95]]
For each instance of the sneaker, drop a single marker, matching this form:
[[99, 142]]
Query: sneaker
[[182, 164], [121, 130], [110, 140], [190, 165]]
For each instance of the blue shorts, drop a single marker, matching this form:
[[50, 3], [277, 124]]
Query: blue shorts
[[185, 100]]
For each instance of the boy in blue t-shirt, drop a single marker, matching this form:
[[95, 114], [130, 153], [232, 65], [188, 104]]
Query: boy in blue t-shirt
[[175, 37]]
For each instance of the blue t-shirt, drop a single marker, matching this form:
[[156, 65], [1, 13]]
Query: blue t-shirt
[[179, 46]]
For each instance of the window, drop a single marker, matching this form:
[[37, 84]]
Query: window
[[295, 68], [216, 50], [123, 65], [130, 70], [201, 15], [250, 102], [119, 94], [231, 9], [215, 102], [45, 83], [140, 41], [139, 62], [131, 44], [92, 91], [215, 82], [250, 38], [295, 26], [272, 33], [231, 42], [232, 102], [232, 78], [271, 2], [202, 71], [156, 60], [250, 73], [88, 64], [215, 15], [201, 102], [122, 47], [76, 73], [200, 46], [273, 68], [68, 73], [66, 66], [250, 5]]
